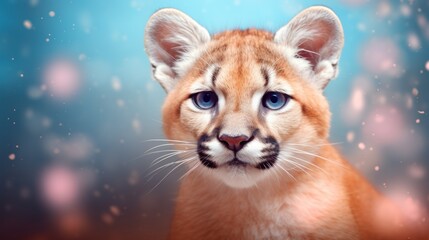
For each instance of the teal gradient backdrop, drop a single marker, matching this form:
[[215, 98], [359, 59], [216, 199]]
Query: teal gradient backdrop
[[77, 106]]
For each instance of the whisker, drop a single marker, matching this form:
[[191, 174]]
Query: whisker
[[304, 169], [169, 155], [163, 157], [168, 150], [300, 166], [151, 174], [290, 175], [314, 145], [190, 170], [295, 165], [167, 140], [168, 144], [160, 151], [180, 164], [318, 156], [310, 163], [276, 174]]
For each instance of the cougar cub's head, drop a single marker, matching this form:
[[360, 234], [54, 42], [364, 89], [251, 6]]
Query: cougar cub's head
[[251, 100]]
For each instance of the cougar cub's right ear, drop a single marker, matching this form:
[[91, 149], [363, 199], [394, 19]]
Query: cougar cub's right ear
[[172, 37]]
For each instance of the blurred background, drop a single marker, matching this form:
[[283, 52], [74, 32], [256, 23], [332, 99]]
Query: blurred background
[[78, 105]]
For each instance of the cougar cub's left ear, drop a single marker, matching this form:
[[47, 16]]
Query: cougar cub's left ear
[[316, 37], [171, 37]]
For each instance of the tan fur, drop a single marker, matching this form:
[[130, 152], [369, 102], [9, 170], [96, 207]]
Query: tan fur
[[329, 200]]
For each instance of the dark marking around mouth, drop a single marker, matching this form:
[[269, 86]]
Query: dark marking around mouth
[[204, 157], [206, 162], [272, 152], [266, 164], [202, 151], [237, 163], [268, 160]]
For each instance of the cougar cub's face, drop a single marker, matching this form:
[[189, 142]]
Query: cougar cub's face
[[250, 103]]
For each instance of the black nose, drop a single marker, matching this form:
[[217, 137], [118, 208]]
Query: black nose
[[234, 143]]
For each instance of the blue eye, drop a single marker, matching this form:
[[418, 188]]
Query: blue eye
[[274, 100], [204, 100]]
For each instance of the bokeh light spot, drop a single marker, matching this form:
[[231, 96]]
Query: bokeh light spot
[[116, 83], [60, 187], [381, 56], [27, 24], [62, 79]]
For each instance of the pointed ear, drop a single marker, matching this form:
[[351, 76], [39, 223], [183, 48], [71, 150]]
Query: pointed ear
[[316, 36], [169, 36]]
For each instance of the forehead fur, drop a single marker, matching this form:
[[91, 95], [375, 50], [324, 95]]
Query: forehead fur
[[243, 46], [260, 34]]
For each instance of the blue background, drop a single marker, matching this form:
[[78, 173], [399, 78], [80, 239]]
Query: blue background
[[96, 135]]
